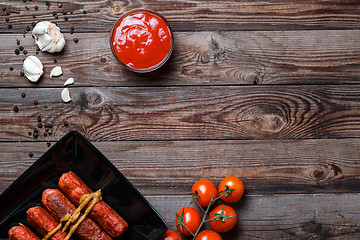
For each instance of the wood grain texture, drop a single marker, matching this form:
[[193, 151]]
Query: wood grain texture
[[191, 15], [175, 113], [171, 167], [298, 216], [202, 58]]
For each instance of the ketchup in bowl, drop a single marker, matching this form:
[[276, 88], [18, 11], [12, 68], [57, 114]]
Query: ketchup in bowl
[[142, 40]]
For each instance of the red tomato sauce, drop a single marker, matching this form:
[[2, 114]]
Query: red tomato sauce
[[141, 40]]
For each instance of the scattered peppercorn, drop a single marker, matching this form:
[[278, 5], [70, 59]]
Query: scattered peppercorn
[[35, 130], [71, 12], [54, 13], [59, 5], [38, 119], [56, 16], [49, 125], [40, 125], [23, 94], [17, 41], [50, 133], [102, 59], [7, 19], [47, 3], [37, 53], [46, 129], [76, 40], [66, 123], [29, 133], [27, 28], [11, 68], [25, 52], [33, 24], [36, 102], [45, 106], [36, 7], [45, 134], [66, 18], [21, 48], [48, 144], [24, 1], [16, 109], [64, 12], [31, 154], [72, 29], [27, 8], [34, 16], [17, 51], [35, 135], [9, 26], [22, 73], [84, 12], [55, 61], [37, 49]]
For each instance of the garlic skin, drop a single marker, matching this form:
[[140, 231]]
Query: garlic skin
[[48, 37], [33, 68], [55, 72]]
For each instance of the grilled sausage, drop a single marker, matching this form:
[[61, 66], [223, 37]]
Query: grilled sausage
[[58, 206], [106, 217], [21, 232], [43, 222]]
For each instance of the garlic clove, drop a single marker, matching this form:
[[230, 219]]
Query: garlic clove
[[55, 72], [65, 95], [33, 68], [48, 37], [70, 81]]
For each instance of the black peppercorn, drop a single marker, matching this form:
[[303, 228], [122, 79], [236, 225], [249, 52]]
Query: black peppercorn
[[27, 8], [54, 13], [66, 18], [31, 154], [50, 133], [36, 7], [36, 102], [46, 3], [21, 48], [9, 26], [40, 125], [48, 144], [45, 134], [25, 52], [17, 41], [16, 109], [23, 94], [35, 135], [38, 119], [84, 12], [29, 133], [27, 28], [7, 19], [45, 106], [17, 51], [35, 130], [66, 123], [76, 40], [11, 68], [22, 73], [59, 5]]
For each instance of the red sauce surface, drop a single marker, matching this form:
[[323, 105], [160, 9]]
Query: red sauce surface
[[141, 40]]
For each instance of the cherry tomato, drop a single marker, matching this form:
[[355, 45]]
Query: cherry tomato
[[222, 218], [204, 190], [208, 235], [171, 235], [190, 217], [235, 185]]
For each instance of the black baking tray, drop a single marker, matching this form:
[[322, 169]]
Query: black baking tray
[[75, 153]]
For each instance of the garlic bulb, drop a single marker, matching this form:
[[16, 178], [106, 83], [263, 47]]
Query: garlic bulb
[[55, 72], [48, 37], [33, 68]]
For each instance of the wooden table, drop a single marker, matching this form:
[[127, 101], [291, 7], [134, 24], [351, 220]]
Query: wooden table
[[266, 91]]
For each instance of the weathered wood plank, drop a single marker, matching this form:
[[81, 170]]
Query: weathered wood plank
[[191, 15], [171, 167], [174, 113], [313, 216], [203, 58]]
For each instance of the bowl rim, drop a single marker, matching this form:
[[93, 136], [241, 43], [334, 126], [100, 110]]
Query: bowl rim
[[152, 68]]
